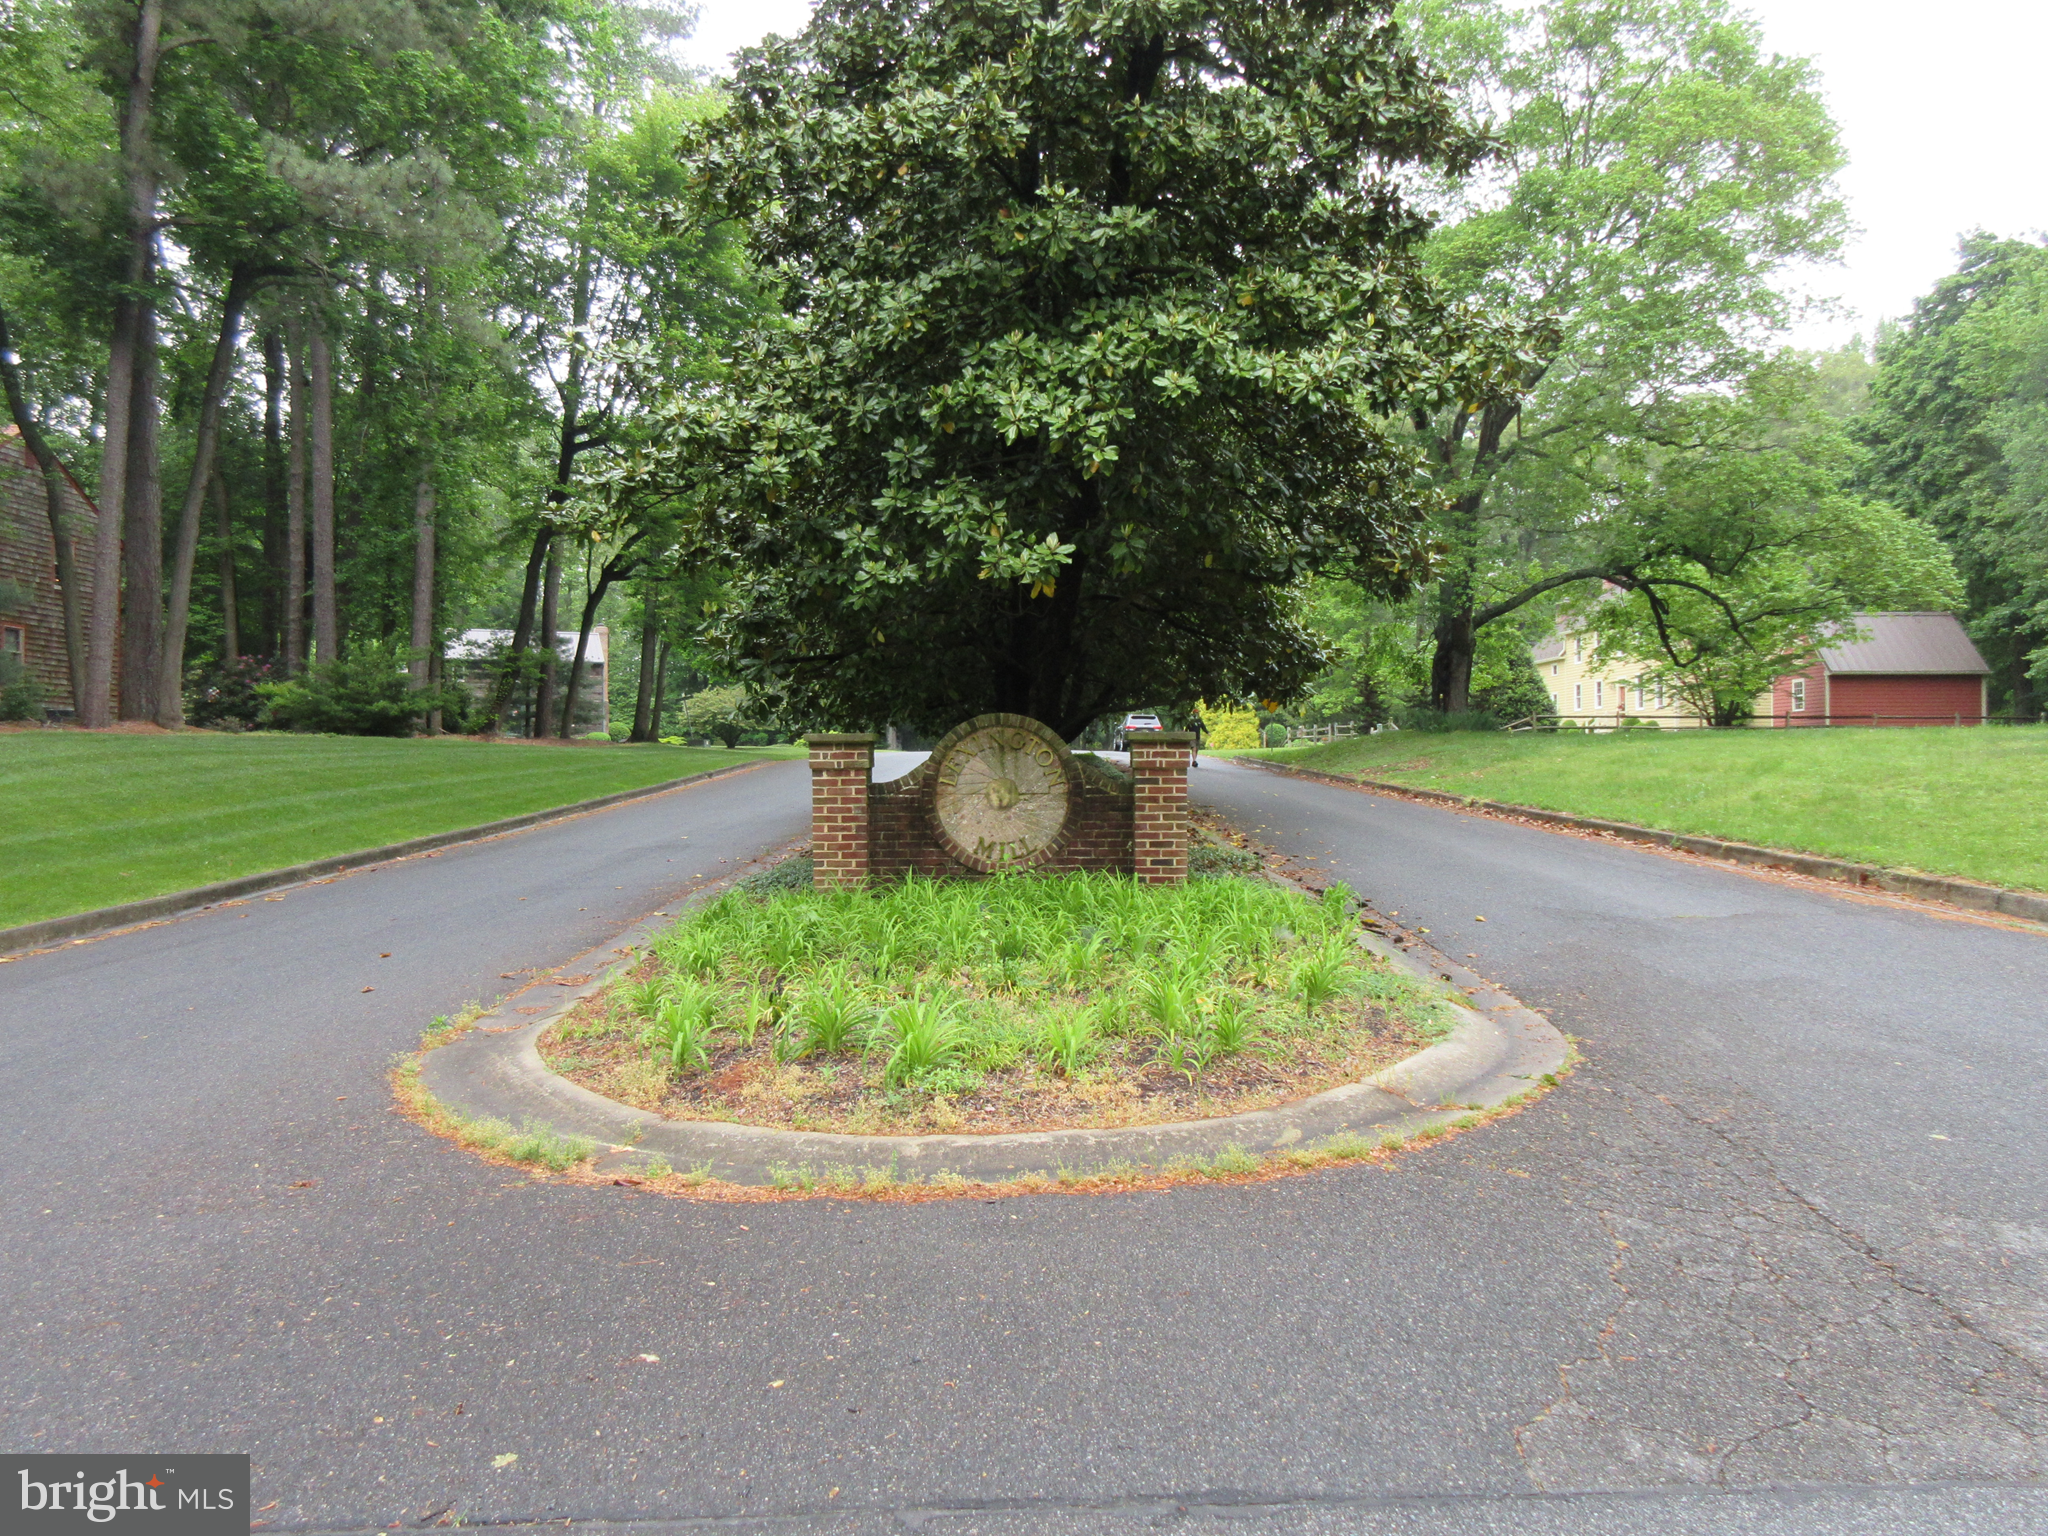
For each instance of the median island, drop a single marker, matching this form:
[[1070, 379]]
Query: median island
[[1015, 1003]]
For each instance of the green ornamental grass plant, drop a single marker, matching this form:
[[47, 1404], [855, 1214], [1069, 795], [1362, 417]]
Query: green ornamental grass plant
[[914, 1005]]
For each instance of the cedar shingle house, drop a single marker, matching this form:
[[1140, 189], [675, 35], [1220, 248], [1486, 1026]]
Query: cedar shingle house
[[33, 633]]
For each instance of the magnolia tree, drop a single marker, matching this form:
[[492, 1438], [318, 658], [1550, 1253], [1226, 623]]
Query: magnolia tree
[[1102, 313]]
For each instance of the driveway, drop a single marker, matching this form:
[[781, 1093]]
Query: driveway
[[1725, 1279]]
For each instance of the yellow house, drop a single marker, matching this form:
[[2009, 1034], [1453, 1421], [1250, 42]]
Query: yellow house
[[1603, 697]]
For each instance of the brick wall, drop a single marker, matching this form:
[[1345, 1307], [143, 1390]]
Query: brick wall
[[28, 558], [862, 830], [1159, 820], [841, 767]]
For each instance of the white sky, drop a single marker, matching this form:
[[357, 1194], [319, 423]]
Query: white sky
[[1939, 107]]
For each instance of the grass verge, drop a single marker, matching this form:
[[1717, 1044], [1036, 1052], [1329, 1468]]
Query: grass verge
[[1021, 1003], [1970, 802], [99, 819]]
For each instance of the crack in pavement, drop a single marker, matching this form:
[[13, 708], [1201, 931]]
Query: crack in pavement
[[1897, 1380]]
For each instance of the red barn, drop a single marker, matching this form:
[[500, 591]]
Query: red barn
[[1910, 669]]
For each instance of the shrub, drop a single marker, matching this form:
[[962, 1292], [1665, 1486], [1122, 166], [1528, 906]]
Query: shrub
[[228, 695], [1518, 691], [365, 693], [715, 712], [21, 694], [1228, 727]]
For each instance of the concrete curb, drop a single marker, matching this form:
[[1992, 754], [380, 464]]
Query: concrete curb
[[1899, 882], [1499, 1050], [58, 930]]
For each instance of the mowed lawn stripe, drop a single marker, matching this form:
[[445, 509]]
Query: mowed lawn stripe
[[1971, 802], [93, 820]]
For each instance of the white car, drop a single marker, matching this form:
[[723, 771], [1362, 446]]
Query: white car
[[1137, 722]]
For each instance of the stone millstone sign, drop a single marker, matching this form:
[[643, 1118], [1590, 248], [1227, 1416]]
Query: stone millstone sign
[[1000, 792]]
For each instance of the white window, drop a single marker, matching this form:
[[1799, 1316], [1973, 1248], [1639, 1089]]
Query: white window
[[1578, 649], [12, 641], [1642, 694], [1660, 694], [1578, 696], [1553, 669], [1599, 694], [1798, 695]]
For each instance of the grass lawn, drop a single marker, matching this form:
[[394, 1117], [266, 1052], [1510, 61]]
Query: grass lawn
[[1971, 802], [91, 820]]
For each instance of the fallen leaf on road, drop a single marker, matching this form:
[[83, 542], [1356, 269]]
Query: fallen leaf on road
[[505, 1460], [774, 1383], [369, 989], [570, 981], [652, 1359]]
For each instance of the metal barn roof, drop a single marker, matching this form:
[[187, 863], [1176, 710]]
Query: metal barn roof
[[1900, 643]]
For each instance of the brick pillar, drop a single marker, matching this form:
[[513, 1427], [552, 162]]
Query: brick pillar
[[842, 767], [1159, 807]]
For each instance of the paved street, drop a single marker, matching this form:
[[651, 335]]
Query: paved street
[[1774, 1260]]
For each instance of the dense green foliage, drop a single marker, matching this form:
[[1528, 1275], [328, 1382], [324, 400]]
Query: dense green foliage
[[368, 281], [1054, 358], [1100, 314], [1958, 433], [1668, 480], [1971, 801]]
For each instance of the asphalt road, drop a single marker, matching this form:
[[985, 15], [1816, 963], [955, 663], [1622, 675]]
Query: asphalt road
[[1727, 1279]]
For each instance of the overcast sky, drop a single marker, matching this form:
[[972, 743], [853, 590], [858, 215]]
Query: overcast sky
[[1939, 105]]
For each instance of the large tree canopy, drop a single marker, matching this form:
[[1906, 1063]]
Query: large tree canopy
[[1661, 169], [1958, 430], [1100, 314]]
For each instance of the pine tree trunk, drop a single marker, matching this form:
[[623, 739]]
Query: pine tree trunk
[[660, 688], [650, 647], [231, 618], [133, 343], [273, 492], [550, 648], [170, 684], [295, 514], [142, 534], [95, 707], [326, 622], [422, 578], [52, 474]]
